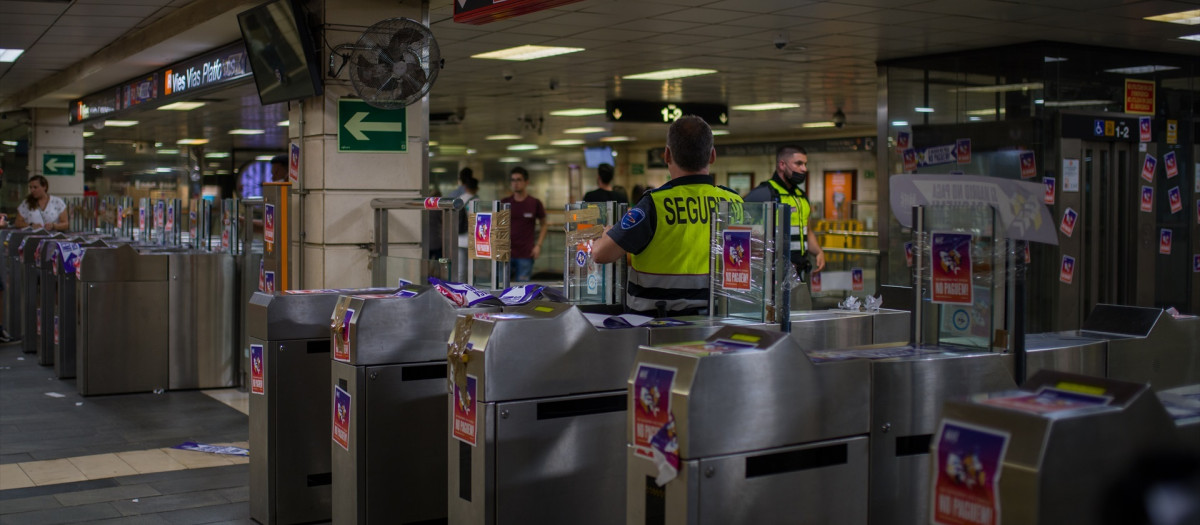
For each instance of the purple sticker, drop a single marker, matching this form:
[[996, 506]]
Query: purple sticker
[[341, 417], [966, 484]]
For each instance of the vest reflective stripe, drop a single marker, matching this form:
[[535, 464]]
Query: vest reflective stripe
[[674, 266], [800, 212]]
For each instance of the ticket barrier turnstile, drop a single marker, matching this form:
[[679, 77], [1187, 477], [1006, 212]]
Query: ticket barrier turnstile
[[66, 345], [122, 330], [1147, 345], [1049, 453], [202, 349], [764, 433], [14, 307], [47, 299], [389, 374], [31, 277], [824, 329], [289, 347]]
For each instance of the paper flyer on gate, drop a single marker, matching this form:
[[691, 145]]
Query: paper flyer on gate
[[1171, 165], [257, 381], [269, 225], [966, 484], [1164, 241], [1028, 165], [1066, 271], [951, 278], [1148, 167], [1049, 197], [483, 235], [466, 412], [736, 260], [1147, 199], [1175, 197], [1067, 226], [856, 279], [651, 405], [341, 417]]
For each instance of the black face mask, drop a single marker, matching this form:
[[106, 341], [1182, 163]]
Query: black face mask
[[797, 178]]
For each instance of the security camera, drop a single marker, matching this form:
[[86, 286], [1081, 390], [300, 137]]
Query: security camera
[[508, 74], [781, 40], [839, 118]]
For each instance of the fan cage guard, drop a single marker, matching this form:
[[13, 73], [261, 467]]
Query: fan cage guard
[[394, 63]]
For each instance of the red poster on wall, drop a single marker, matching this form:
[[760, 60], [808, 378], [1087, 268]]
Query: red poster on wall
[[839, 192]]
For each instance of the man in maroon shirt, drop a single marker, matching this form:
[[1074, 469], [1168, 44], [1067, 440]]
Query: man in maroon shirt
[[527, 211]]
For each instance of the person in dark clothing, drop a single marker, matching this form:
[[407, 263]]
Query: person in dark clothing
[[605, 191]]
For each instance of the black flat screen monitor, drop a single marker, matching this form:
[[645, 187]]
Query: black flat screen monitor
[[281, 51], [594, 157]]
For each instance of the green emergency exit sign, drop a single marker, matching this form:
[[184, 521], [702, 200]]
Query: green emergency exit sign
[[58, 164], [366, 129]]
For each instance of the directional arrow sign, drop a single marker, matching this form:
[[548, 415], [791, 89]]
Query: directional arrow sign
[[365, 129], [58, 164]]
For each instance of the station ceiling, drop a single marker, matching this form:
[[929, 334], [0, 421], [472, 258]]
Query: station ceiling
[[827, 61]]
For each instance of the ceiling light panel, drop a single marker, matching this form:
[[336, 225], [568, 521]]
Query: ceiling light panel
[[670, 74], [181, 106], [578, 112], [768, 106], [523, 53], [579, 131], [1190, 18]]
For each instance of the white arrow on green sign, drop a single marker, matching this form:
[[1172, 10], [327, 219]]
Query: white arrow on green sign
[[366, 129], [58, 164]]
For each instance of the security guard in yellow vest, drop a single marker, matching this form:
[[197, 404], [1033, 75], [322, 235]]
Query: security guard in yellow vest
[[668, 230], [791, 171]]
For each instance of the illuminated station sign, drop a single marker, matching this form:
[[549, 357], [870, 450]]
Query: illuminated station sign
[[215, 69]]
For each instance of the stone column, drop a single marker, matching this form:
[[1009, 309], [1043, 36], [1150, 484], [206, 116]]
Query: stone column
[[53, 148], [336, 187]]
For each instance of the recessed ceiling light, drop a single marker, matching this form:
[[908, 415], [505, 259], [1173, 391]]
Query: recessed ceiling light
[[578, 112], [1190, 18], [168, 151], [818, 125], [1194, 38], [1039, 101], [618, 139], [114, 163], [768, 106], [120, 123], [470, 151], [523, 53], [668, 74], [87, 134], [192, 142], [438, 170], [433, 143], [222, 172], [246, 132], [999, 88], [164, 170], [10, 55], [502, 137], [181, 106], [9, 143], [1076, 103], [899, 123], [264, 158], [94, 157], [510, 159], [578, 131], [923, 110], [984, 112], [216, 155], [1054, 59], [974, 119], [720, 132], [522, 147], [214, 164], [566, 142], [1138, 70], [284, 123]]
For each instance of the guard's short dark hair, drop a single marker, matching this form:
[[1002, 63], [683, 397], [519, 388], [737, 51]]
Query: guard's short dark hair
[[280, 159], [787, 150], [691, 142], [520, 170], [466, 174], [606, 173]]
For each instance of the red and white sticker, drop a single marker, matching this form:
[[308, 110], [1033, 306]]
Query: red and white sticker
[[1148, 167], [962, 151], [1144, 129], [1176, 199], [1028, 165], [1147, 199], [815, 281], [903, 140], [910, 160], [466, 412], [1171, 165], [856, 279], [294, 162], [257, 381], [431, 203], [1164, 241], [1049, 197], [341, 417], [1066, 272], [1067, 226], [908, 254]]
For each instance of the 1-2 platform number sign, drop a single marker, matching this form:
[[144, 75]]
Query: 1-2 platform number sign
[[1111, 128]]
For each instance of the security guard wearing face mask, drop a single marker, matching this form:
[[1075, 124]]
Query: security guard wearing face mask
[[791, 171], [668, 230]]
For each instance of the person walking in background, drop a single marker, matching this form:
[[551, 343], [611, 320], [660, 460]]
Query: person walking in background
[[605, 191], [464, 175], [791, 171], [527, 213], [40, 209]]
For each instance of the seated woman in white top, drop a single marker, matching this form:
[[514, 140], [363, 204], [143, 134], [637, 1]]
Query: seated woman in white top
[[40, 210]]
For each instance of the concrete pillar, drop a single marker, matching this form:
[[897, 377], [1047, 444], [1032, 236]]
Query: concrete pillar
[[52, 145], [335, 189]]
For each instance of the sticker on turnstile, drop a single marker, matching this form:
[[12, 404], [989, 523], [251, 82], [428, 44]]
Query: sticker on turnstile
[[483, 235], [1049, 400], [908, 255], [736, 260], [466, 414], [269, 227], [257, 383], [1066, 272], [56, 329], [718, 347], [1143, 129], [903, 140], [294, 162], [856, 279], [910, 159], [1176, 199], [1067, 226], [1171, 165], [142, 219], [1147, 199], [120, 216], [1028, 165], [1164, 241], [341, 417], [269, 282], [1048, 198], [170, 218], [814, 281], [951, 257], [341, 351], [962, 151], [159, 209], [652, 405], [1148, 166], [225, 239], [38, 322], [192, 227], [966, 483]]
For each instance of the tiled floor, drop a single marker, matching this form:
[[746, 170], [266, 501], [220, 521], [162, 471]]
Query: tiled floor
[[108, 459]]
